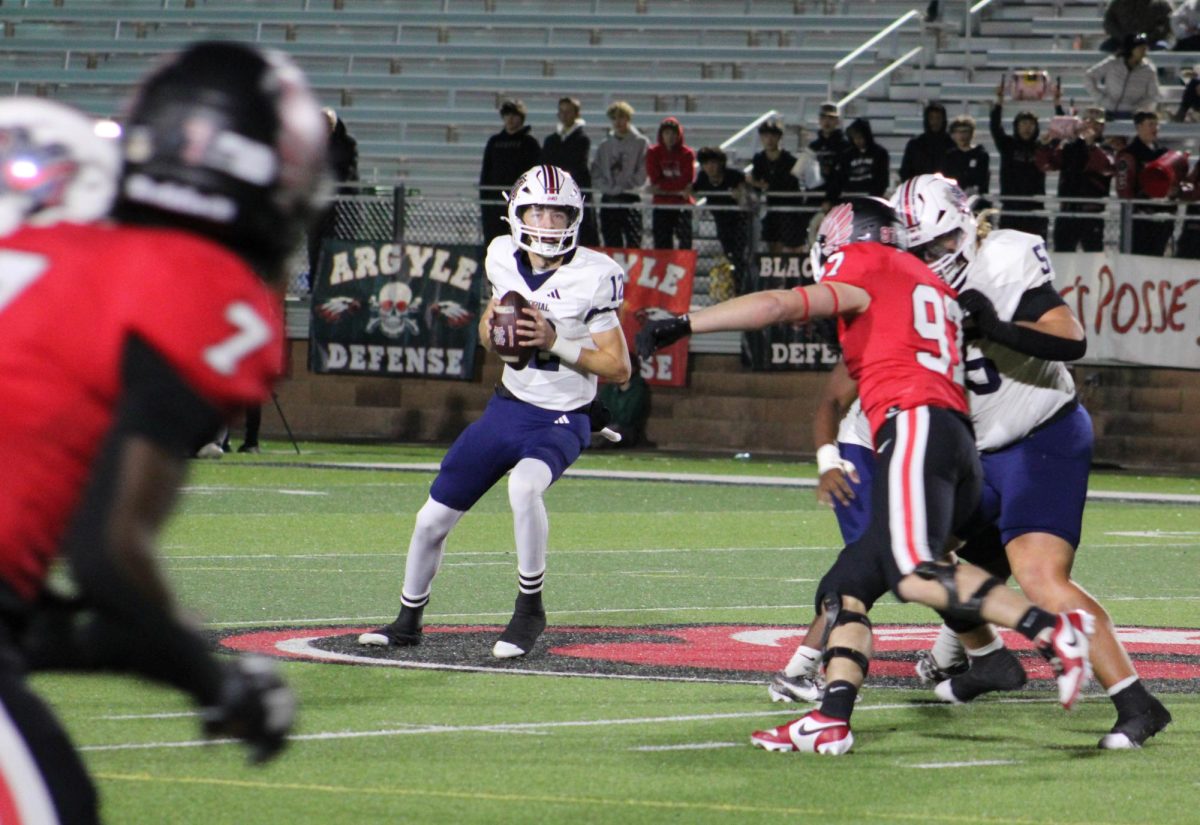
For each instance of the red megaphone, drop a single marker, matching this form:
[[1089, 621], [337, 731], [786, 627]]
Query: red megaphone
[[1163, 173]]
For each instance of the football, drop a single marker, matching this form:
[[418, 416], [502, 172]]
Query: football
[[503, 328]]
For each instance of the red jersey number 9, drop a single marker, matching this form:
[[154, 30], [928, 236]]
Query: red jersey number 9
[[936, 317]]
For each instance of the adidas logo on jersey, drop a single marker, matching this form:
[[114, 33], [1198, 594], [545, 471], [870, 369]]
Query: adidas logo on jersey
[[554, 294], [562, 419]]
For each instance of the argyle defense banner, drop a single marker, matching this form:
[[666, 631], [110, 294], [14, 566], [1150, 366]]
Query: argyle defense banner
[[786, 347], [657, 280], [395, 310], [1135, 309]]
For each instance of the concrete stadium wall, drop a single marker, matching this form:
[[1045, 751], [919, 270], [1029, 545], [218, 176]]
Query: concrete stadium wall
[[1144, 418]]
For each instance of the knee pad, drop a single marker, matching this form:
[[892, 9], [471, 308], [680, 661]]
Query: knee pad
[[959, 611], [831, 605]]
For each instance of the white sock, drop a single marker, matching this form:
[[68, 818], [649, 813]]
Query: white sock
[[527, 484], [1121, 685], [805, 662], [991, 647], [947, 650], [425, 549]]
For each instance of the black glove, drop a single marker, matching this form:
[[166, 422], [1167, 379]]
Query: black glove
[[662, 332], [979, 310], [599, 414], [255, 706]]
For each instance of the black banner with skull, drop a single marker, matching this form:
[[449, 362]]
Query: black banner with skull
[[783, 347], [396, 310]]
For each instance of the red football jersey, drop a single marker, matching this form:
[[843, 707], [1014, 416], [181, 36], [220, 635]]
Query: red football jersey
[[71, 296], [905, 350]]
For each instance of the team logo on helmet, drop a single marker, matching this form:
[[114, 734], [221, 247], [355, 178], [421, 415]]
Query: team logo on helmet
[[556, 191]]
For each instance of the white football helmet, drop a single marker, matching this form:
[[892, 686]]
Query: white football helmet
[[939, 224], [55, 165], [546, 186]]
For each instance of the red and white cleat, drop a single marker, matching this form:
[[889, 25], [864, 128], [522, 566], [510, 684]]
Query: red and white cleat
[[811, 733], [1066, 648]]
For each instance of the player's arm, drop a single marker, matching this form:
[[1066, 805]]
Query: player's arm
[[610, 359], [836, 397], [757, 310], [111, 547], [1043, 326]]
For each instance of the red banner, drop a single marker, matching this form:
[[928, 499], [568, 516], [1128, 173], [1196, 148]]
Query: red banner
[[657, 279]]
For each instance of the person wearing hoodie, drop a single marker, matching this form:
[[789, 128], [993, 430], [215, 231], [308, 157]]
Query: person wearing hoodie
[[925, 154], [618, 173], [568, 148], [861, 169], [670, 168], [967, 162], [507, 155], [1019, 171]]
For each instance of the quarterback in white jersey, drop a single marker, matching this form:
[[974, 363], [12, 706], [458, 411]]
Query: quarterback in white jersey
[[538, 422], [1035, 440]]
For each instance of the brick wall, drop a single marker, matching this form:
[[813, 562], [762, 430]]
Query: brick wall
[[1143, 417]]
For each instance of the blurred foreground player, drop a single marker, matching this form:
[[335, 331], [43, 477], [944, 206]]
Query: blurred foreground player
[[899, 326], [538, 421], [122, 344]]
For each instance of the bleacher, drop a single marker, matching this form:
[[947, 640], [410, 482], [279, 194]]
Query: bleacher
[[418, 81]]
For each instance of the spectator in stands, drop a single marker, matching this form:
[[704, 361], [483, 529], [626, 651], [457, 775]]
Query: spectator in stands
[[628, 407], [569, 148], [724, 190], [967, 162], [1123, 18], [771, 173], [343, 163], [1019, 172], [1190, 100], [1125, 82], [829, 143], [1185, 24], [507, 155], [1150, 236], [670, 169], [1188, 245], [861, 169], [924, 154], [1087, 164], [619, 172]]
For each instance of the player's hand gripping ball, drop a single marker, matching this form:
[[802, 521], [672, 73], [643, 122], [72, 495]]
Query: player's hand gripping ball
[[504, 331]]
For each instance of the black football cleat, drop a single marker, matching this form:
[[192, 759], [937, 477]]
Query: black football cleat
[[1132, 732], [998, 670], [519, 637], [405, 631]]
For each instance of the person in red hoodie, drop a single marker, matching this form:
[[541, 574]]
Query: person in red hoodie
[[671, 167]]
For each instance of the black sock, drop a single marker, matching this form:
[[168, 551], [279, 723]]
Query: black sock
[[1132, 701], [530, 603], [839, 700], [1034, 622]]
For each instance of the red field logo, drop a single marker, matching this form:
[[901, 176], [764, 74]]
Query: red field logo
[[1169, 658]]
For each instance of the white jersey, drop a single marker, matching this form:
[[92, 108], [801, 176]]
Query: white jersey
[[855, 428], [1010, 394], [580, 298]]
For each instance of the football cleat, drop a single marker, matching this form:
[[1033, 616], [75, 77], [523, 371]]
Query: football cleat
[[811, 733], [1132, 733], [405, 631], [803, 688], [930, 673], [998, 670], [519, 637], [210, 450], [1065, 647]]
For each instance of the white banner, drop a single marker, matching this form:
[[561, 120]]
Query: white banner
[[1136, 309]]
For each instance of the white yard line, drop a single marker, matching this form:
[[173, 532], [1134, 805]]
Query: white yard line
[[976, 764], [512, 727]]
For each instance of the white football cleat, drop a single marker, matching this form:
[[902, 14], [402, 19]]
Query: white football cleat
[[1066, 648], [506, 650], [784, 688], [811, 733]]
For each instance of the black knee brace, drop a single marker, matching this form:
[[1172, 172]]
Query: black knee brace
[[964, 614], [835, 616]]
